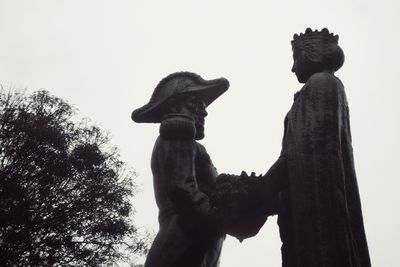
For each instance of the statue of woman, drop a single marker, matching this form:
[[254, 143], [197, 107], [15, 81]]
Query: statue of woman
[[320, 217]]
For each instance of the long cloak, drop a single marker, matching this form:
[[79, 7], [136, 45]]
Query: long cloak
[[320, 217]]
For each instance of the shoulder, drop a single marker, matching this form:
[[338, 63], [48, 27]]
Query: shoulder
[[170, 144], [323, 84], [173, 150], [323, 79]]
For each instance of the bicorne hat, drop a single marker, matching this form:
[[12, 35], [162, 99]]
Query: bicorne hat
[[179, 83]]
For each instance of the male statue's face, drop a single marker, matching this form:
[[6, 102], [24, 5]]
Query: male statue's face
[[196, 108]]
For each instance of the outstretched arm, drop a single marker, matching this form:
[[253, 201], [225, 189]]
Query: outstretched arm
[[274, 181]]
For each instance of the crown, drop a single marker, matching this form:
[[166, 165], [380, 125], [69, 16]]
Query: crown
[[309, 35]]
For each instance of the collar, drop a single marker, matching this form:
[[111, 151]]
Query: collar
[[178, 126], [296, 95]]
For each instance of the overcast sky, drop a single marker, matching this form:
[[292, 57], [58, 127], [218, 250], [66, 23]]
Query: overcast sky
[[106, 57]]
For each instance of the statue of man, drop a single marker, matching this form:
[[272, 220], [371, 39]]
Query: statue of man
[[320, 216], [191, 231], [196, 209]]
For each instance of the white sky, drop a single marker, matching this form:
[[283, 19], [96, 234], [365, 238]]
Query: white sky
[[106, 57]]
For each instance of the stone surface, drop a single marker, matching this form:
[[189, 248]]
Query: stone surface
[[191, 231], [320, 217], [196, 206]]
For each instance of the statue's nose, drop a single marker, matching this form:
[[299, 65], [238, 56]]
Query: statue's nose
[[294, 68], [204, 113], [202, 109]]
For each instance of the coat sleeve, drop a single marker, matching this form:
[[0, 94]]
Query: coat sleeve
[[178, 159], [275, 180]]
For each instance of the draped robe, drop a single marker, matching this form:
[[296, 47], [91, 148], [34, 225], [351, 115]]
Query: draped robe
[[319, 215]]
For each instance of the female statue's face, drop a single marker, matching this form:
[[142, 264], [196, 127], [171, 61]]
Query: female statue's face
[[303, 67]]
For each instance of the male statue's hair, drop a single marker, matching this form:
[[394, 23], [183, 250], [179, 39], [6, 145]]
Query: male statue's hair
[[320, 47]]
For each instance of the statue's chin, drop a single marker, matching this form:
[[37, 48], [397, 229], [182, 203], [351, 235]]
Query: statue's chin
[[301, 79]]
